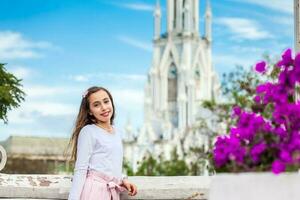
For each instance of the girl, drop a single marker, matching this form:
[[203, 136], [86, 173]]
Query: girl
[[97, 149]]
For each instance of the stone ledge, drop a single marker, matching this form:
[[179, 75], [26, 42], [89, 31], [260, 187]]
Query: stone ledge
[[17, 186], [255, 186]]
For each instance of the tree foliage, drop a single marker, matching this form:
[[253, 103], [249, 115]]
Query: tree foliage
[[162, 167], [11, 94], [238, 89]]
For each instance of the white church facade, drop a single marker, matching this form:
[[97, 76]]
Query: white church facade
[[180, 78]]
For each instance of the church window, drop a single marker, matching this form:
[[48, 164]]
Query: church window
[[175, 13], [197, 73], [172, 94], [172, 83]]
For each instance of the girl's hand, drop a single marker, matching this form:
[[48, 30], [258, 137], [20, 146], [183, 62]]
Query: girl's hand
[[132, 189]]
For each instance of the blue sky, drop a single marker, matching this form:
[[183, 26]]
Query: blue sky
[[60, 48]]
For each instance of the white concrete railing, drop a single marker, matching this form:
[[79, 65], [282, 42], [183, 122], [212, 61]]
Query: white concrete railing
[[19, 186], [26, 186]]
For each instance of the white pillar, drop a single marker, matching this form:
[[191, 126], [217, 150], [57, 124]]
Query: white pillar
[[170, 17], [191, 102], [179, 16], [297, 35], [157, 92], [157, 21], [182, 112], [196, 16], [164, 92], [181, 99], [187, 18], [208, 22], [297, 25]]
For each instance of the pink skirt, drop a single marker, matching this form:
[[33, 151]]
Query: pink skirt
[[99, 186]]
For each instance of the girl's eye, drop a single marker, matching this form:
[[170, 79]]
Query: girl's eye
[[96, 105], [106, 101]]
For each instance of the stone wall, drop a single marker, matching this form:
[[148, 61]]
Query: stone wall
[[243, 186], [58, 186]]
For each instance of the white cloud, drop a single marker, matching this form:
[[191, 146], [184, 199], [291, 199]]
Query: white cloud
[[132, 77], [244, 28], [136, 6], [146, 46], [109, 76], [80, 78], [285, 6], [50, 108], [41, 91], [283, 20], [28, 111], [129, 98], [226, 63], [13, 46], [37, 124], [21, 72]]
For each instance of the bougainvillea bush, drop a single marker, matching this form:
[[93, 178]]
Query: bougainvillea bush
[[261, 142]]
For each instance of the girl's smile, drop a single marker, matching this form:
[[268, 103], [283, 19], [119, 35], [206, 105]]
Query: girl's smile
[[101, 107], [105, 114]]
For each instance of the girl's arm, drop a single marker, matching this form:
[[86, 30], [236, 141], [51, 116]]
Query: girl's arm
[[84, 152], [132, 189]]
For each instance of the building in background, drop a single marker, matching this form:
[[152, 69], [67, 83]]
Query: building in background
[[180, 78], [36, 155]]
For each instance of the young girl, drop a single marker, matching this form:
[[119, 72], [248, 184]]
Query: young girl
[[97, 149]]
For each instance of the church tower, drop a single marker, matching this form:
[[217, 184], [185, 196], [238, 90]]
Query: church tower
[[181, 76]]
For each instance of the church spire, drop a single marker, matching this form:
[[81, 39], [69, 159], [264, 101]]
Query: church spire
[[196, 16], [157, 20], [208, 21], [170, 15], [179, 13], [187, 18]]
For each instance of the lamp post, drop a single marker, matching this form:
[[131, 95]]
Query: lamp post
[[297, 25], [297, 37]]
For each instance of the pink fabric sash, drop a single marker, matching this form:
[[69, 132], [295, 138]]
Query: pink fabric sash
[[108, 187]]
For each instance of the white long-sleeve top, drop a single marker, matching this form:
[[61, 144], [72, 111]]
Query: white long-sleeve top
[[97, 150]]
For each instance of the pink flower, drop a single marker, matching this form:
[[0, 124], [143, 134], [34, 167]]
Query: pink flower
[[257, 99], [286, 58], [278, 167], [261, 67], [236, 111]]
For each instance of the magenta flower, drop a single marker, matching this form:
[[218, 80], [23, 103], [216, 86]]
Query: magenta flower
[[236, 111], [261, 67], [278, 167], [286, 58], [264, 87], [257, 150], [285, 156], [266, 141], [257, 99], [297, 61]]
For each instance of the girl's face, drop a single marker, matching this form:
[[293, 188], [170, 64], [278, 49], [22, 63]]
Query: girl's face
[[101, 106]]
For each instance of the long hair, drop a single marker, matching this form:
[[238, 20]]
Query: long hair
[[84, 118]]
